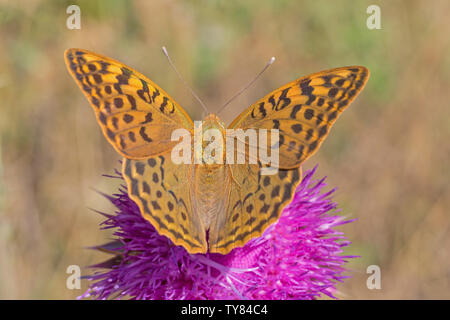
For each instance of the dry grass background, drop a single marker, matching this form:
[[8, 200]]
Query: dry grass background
[[388, 154]]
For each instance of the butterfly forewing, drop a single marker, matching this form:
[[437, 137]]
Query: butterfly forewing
[[304, 110], [136, 116]]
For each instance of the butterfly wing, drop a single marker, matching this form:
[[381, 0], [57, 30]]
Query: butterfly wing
[[303, 111], [255, 202], [161, 189], [136, 116]]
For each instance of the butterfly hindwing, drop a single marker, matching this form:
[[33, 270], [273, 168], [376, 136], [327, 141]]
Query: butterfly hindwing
[[255, 201], [162, 189], [136, 116], [303, 111]]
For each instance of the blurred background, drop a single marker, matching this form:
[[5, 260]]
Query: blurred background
[[388, 154]]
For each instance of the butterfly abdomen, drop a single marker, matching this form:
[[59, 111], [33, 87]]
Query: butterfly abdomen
[[209, 193]]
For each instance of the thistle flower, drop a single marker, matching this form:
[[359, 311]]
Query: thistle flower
[[298, 257]]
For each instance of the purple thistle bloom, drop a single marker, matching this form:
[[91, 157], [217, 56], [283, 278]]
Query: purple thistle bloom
[[298, 257]]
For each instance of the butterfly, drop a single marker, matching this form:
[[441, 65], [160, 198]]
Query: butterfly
[[209, 207]]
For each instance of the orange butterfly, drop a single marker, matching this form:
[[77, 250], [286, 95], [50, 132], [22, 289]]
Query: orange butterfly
[[209, 207]]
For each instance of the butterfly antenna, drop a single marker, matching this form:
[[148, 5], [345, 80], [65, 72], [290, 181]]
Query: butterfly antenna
[[181, 78], [272, 60]]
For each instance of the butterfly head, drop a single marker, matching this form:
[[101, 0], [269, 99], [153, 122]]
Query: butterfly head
[[212, 121], [212, 133]]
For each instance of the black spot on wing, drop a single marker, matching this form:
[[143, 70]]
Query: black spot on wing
[[144, 135]]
